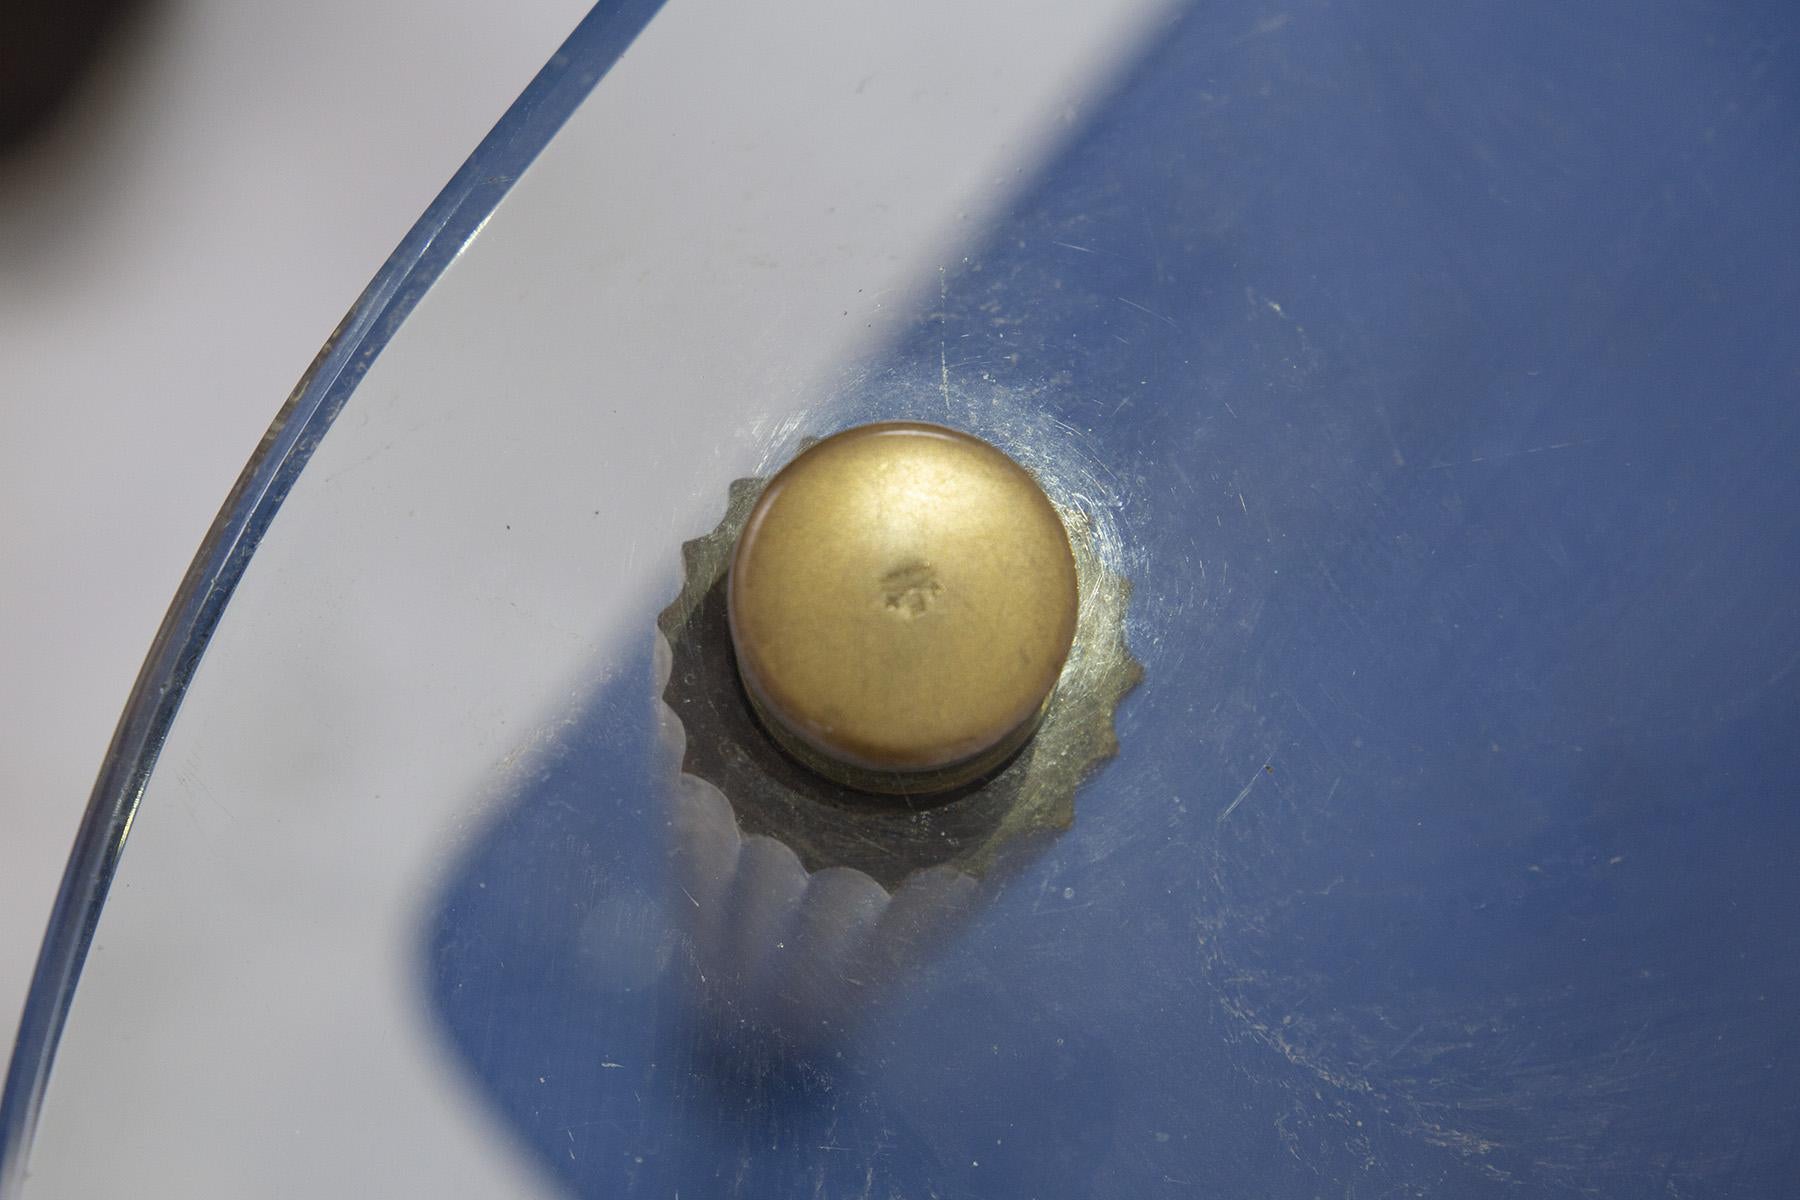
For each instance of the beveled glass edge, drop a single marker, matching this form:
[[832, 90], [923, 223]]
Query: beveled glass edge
[[447, 226]]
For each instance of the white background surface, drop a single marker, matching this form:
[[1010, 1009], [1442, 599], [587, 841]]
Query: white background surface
[[172, 256]]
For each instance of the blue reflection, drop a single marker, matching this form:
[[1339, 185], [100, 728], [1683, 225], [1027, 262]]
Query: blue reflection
[[1445, 359]]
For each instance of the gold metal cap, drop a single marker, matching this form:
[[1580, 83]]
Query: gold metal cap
[[902, 600]]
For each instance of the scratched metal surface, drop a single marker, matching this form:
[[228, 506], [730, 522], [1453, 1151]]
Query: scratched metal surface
[[1442, 363], [1431, 370]]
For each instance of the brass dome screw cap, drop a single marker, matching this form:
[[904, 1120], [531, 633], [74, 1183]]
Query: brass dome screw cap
[[902, 600]]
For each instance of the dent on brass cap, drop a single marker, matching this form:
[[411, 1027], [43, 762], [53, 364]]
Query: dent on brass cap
[[902, 600]]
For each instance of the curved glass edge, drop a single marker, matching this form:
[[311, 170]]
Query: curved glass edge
[[447, 226]]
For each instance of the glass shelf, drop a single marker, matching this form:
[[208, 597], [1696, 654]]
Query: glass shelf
[[1428, 370]]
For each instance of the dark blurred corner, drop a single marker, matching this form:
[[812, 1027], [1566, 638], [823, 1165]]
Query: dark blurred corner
[[47, 48]]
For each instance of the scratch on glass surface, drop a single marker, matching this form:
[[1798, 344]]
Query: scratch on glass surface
[[1243, 795], [943, 353], [1149, 312], [1483, 458]]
